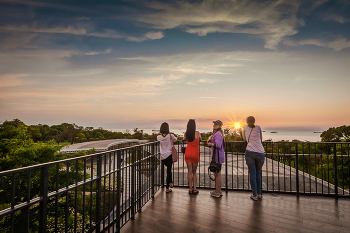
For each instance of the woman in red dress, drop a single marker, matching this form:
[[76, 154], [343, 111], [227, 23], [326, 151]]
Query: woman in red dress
[[193, 139]]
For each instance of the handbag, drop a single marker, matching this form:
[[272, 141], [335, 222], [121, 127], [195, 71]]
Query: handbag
[[173, 151]]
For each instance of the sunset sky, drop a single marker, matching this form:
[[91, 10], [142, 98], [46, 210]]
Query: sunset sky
[[127, 64]]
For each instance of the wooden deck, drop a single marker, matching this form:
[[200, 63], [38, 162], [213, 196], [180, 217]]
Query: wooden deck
[[235, 212]]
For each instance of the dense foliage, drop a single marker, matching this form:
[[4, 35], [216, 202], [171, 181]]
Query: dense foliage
[[64, 132], [336, 134], [22, 145]]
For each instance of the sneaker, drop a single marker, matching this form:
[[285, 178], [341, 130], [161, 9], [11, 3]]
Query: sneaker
[[253, 198], [259, 196], [214, 194]]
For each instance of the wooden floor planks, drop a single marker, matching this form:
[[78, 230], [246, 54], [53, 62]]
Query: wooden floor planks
[[235, 212]]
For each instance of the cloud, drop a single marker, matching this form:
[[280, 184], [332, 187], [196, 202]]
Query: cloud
[[203, 80], [273, 20], [337, 18], [136, 87], [15, 40], [96, 52], [14, 80], [154, 35], [107, 33], [337, 45], [23, 28], [147, 36], [208, 97], [115, 35], [318, 3]]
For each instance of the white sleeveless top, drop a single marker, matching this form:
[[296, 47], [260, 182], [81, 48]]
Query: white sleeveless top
[[254, 141]]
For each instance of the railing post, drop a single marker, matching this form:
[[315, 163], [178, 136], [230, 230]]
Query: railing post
[[133, 184], [119, 184], [98, 192], [152, 161], [226, 175], [335, 170], [44, 178], [297, 168], [139, 159]]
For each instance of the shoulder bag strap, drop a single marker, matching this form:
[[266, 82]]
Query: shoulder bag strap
[[250, 134], [171, 141]]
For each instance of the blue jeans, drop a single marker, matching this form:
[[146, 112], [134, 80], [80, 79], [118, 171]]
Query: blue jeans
[[255, 161]]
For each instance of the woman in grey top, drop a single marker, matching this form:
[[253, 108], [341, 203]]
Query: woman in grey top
[[254, 155]]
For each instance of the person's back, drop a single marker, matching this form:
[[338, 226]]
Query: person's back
[[192, 154], [254, 155], [253, 137], [166, 143], [192, 150]]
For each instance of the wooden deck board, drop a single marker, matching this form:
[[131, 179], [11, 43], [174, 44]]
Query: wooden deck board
[[235, 212]]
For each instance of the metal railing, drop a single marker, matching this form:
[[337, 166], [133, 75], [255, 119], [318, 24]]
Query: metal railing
[[290, 167], [93, 193], [103, 191]]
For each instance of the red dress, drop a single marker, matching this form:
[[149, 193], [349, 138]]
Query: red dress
[[192, 151]]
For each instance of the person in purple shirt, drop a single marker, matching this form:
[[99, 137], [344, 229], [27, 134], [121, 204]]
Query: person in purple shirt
[[217, 141]]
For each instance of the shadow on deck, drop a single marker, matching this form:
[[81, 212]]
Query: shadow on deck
[[235, 212]]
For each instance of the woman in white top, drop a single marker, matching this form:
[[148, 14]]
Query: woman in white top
[[254, 155], [166, 143]]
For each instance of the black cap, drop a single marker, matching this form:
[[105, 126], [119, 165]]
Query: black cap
[[218, 122]]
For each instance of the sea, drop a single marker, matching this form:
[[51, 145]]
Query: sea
[[274, 135]]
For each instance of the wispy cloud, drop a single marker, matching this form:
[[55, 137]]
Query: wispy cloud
[[99, 52], [208, 97], [317, 3], [273, 20], [204, 80], [147, 36], [338, 44], [107, 33], [15, 80], [23, 28]]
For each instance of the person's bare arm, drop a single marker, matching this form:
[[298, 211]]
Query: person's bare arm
[[199, 136], [243, 135]]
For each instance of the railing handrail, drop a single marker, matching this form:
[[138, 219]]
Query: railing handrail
[[21, 169]]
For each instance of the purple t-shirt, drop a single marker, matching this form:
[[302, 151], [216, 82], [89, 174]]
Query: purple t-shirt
[[217, 139]]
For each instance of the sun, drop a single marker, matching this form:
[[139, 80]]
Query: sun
[[237, 125]]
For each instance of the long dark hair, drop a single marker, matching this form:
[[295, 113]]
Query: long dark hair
[[164, 128], [191, 130]]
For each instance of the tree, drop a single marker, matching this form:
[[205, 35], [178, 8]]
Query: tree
[[338, 134], [70, 131]]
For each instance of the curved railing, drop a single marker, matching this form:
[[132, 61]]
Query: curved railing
[[91, 193], [104, 191]]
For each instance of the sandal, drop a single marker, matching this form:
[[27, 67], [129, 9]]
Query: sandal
[[169, 191], [190, 192], [195, 192]]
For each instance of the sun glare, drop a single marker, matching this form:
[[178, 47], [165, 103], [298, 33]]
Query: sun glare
[[237, 125]]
